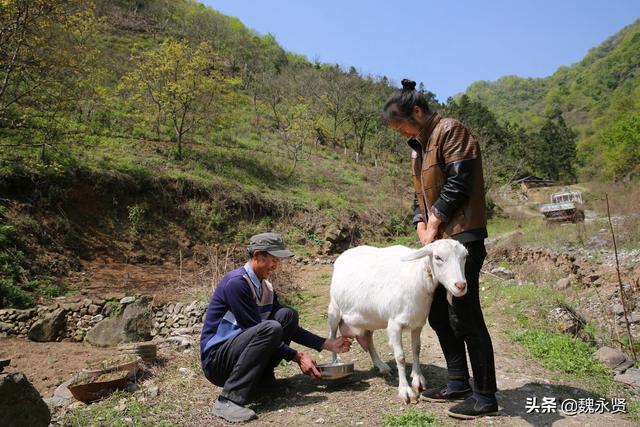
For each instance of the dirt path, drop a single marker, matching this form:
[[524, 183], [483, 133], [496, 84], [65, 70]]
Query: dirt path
[[365, 398]]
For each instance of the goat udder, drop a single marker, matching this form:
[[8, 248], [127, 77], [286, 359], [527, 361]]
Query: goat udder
[[363, 339]]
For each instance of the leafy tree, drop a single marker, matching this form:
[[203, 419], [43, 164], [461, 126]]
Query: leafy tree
[[619, 147], [556, 149], [180, 85]]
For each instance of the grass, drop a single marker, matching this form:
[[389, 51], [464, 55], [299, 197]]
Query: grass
[[528, 306], [561, 353], [118, 410], [412, 418]]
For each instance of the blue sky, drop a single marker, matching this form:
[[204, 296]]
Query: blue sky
[[447, 44]]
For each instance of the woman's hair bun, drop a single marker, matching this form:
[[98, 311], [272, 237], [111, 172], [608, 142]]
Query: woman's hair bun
[[408, 84]]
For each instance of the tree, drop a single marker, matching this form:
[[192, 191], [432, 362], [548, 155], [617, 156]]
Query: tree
[[619, 147], [180, 85], [556, 149], [45, 52]]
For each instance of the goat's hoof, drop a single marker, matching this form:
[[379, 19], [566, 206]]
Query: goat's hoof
[[407, 395], [418, 384]]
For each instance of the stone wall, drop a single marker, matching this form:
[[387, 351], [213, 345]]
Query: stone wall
[[83, 314]]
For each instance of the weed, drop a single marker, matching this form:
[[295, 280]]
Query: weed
[[136, 212], [411, 418]]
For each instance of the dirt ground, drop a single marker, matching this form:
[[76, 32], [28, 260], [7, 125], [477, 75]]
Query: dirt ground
[[365, 398], [49, 364]]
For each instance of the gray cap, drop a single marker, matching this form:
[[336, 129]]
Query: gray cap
[[271, 243]]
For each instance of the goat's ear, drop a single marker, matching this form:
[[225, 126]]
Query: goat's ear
[[420, 253]]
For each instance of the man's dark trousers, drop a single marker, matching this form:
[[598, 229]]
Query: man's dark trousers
[[239, 363], [462, 323]]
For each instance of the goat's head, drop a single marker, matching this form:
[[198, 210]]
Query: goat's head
[[446, 259]]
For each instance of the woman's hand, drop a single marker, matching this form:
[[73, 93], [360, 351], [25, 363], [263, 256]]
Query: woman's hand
[[338, 345], [428, 232], [307, 365]]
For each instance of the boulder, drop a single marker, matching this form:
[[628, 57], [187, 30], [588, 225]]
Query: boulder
[[20, 403], [132, 325], [612, 358], [631, 377], [49, 328]]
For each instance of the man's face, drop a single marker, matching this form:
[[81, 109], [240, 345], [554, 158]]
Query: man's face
[[264, 264]]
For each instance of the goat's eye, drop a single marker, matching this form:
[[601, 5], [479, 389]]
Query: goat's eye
[[438, 258]]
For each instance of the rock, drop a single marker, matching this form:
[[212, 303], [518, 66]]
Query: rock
[[93, 309], [562, 284], [568, 321], [132, 325], [152, 392], [62, 391], [178, 308], [127, 300], [76, 405], [4, 326], [49, 328], [630, 377], [618, 309], [56, 402], [20, 403], [186, 371], [503, 273], [610, 357], [97, 318], [180, 342]]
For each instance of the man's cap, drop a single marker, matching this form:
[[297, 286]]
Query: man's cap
[[271, 243]]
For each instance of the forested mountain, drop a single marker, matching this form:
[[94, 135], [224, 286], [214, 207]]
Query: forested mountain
[[127, 118], [599, 97]]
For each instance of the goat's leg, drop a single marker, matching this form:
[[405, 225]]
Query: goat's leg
[[418, 382], [405, 392], [334, 317], [382, 367]]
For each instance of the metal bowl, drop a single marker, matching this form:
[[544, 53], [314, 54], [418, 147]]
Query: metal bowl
[[333, 371]]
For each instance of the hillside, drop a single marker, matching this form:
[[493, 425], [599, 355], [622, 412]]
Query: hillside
[[598, 97], [155, 133]]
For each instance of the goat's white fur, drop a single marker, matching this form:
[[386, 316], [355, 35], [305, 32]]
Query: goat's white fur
[[377, 288]]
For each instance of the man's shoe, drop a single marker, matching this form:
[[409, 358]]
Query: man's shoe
[[232, 412], [440, 394], [471, 408]]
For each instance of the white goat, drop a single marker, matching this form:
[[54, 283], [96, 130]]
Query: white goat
[[392, 288]]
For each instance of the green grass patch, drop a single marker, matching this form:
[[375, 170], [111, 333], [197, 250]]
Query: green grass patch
[[411, 418], [118, 410], [559, 352]]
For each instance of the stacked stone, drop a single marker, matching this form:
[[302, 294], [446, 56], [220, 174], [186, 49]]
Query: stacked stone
[[82, 316], [17, 322], [177, 317]]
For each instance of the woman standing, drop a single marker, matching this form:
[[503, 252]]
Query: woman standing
[[449, 203]]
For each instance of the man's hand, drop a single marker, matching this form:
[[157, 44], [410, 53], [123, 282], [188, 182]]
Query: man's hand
[[427, 232], [338, 345], [307, 365]]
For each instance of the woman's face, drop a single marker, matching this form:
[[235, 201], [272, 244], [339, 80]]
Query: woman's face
[[410, 129], [405, 128]]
